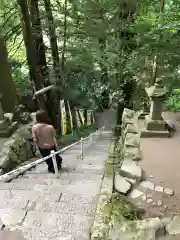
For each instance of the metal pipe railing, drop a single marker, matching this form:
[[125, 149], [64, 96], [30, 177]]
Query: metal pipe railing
[[14, 173]]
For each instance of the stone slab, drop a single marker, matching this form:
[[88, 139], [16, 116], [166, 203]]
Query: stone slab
[[168, 191], [131, 170], [132, 181], [155, 125], [135, 194], [147, 184], [121, 184], [159, 188], [154, 134], [53, 225], [174, 226], [11, 216]]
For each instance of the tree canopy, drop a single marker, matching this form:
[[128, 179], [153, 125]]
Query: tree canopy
[[93, 46]]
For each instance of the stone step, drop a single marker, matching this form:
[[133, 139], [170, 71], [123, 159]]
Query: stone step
[[85, 208], [41, 181], [38, 176], [45, 226], [51, 193]]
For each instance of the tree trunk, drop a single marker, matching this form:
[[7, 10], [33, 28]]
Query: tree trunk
[[53, 41], [40, 48], [64, 37], [38, 37], [7, 86], [156, 58], [126, 42], [31, 53]]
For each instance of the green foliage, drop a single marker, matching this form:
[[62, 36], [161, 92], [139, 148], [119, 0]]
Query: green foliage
[[173, 102], [96, 40]]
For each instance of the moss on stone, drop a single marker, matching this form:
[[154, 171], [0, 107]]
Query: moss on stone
[[123, 210], [109, 170]]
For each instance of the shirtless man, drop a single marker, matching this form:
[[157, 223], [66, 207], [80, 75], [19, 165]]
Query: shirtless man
[[45, 137]]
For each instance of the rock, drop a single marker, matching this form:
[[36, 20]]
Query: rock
[[132, 140], [132, 152], [131, 170], [135, 194], [159, 203], [155, 213], [5, 161], [149, 200], [143, 197], [174, 226], [159, 189], [17, 149], [149, 229], [147, 184], [168, 191], [141, 210], [121, 184], [132, 181], [128, 114], [8, 115], [131, 128], [166, 221], [21, 115], [170, 125]]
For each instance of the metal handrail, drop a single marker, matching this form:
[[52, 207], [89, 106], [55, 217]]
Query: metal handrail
[[14, 173]]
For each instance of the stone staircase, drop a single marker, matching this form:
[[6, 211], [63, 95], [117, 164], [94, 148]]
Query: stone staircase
[[43, 207]]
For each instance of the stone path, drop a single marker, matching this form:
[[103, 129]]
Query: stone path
[[161, 163], [42, 207]]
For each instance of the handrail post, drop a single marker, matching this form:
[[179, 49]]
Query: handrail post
[[91, 137], [54, 162], [82, 149], [102, 130]]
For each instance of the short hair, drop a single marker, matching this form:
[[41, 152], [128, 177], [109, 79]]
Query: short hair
[[42, 117]]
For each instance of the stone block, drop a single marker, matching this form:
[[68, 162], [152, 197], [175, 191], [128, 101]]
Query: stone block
[[135, 194], [154, 125], [132, 140], [121, 184], [131, 170], [131, 128], [159, 189], [133, 153], [174, 226], [128, 114], [154, 134], [147, 184], [168, 191]]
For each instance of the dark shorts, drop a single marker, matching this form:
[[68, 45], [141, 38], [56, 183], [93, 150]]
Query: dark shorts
[[46, 152]]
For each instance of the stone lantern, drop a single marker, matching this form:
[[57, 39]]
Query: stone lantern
[[155, 126]]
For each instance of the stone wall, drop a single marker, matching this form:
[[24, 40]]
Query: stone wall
[[121, 172], [18, 149], [127, 172]]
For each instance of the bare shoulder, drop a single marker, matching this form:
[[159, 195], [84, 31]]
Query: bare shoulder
[[50, 127], [34, 127]]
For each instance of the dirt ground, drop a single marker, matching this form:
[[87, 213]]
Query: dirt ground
[[161, 163]]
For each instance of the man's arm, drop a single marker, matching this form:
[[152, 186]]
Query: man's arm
[[54, 137], [34, 135]]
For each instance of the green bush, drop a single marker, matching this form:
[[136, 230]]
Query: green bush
[[173, 102]]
